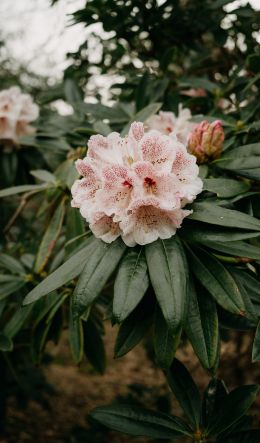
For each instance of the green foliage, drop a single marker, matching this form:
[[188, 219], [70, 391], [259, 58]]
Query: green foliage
[[222, 412]]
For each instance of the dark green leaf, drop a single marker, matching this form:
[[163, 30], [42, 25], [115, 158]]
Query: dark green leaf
[[168, 273], [186, 392], [217, 280], [6, 344], [202, 327], [99, 267], [131, 283], [216, 215], [76, 336], [166, 341], [134, 327], [94, 346], [137, 421], [65, 273], [236, 404], [225, 187], [50, 237], [256, 345]]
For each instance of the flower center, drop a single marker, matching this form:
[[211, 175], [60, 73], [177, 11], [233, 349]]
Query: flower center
[[149, 183], [127, 184]]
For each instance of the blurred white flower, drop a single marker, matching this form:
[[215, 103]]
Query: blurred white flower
[[17, 110], [168, 122]]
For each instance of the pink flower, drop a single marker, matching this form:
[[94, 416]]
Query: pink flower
[[206, 141], [167, 123], [17, 110], [135, 187]]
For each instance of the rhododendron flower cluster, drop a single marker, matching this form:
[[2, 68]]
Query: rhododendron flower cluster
[[17, 110], [135, 187], [167, 122], [206, 141]]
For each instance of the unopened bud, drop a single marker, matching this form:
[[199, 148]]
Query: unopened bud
[[206, 141]]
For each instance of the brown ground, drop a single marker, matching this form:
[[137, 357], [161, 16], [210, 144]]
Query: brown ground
[[78, 390]]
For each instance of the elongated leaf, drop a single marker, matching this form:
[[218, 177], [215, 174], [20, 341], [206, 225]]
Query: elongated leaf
[[11, 264], [100, 265], [142, 115], [43, 175], [131, 284], [217, 280], [76, 336], [133, 329], [140, 422], [236, 404], [93, 345], [244, 161], [216, 215], [20, 189], [202, 233], [65, 273], [166, 341], [202, 327], [256, 345], [6, 344], [75, 228], [168, 274], [11, 287], [186, 392], [236, 249], [225, 187], [17, 321], [214, 395], [50, 237]]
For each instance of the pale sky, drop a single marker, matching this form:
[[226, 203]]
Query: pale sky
[[39, 35]]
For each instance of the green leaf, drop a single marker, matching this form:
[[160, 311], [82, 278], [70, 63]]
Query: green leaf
[[202, 233], [134, 327], [11, 264], [225, 187], [20, 189], [44, 176], [140, 422], [50, 238], [166, 341], [217, 280], [217, 215], [236, 404], [76, 338], [67, 173], [17, 321], [186, 392], [142, 115], [93, 346], [65, 273], [168, 274], [214, 395], [75, 228], [6, 344], [236, 249], [72, 91], [131, 283], [99, 267], [11, 287], [244, 161], [202, 327], [256, 345]]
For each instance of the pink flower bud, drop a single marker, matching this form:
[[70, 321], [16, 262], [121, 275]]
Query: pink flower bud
[[206, 141]]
